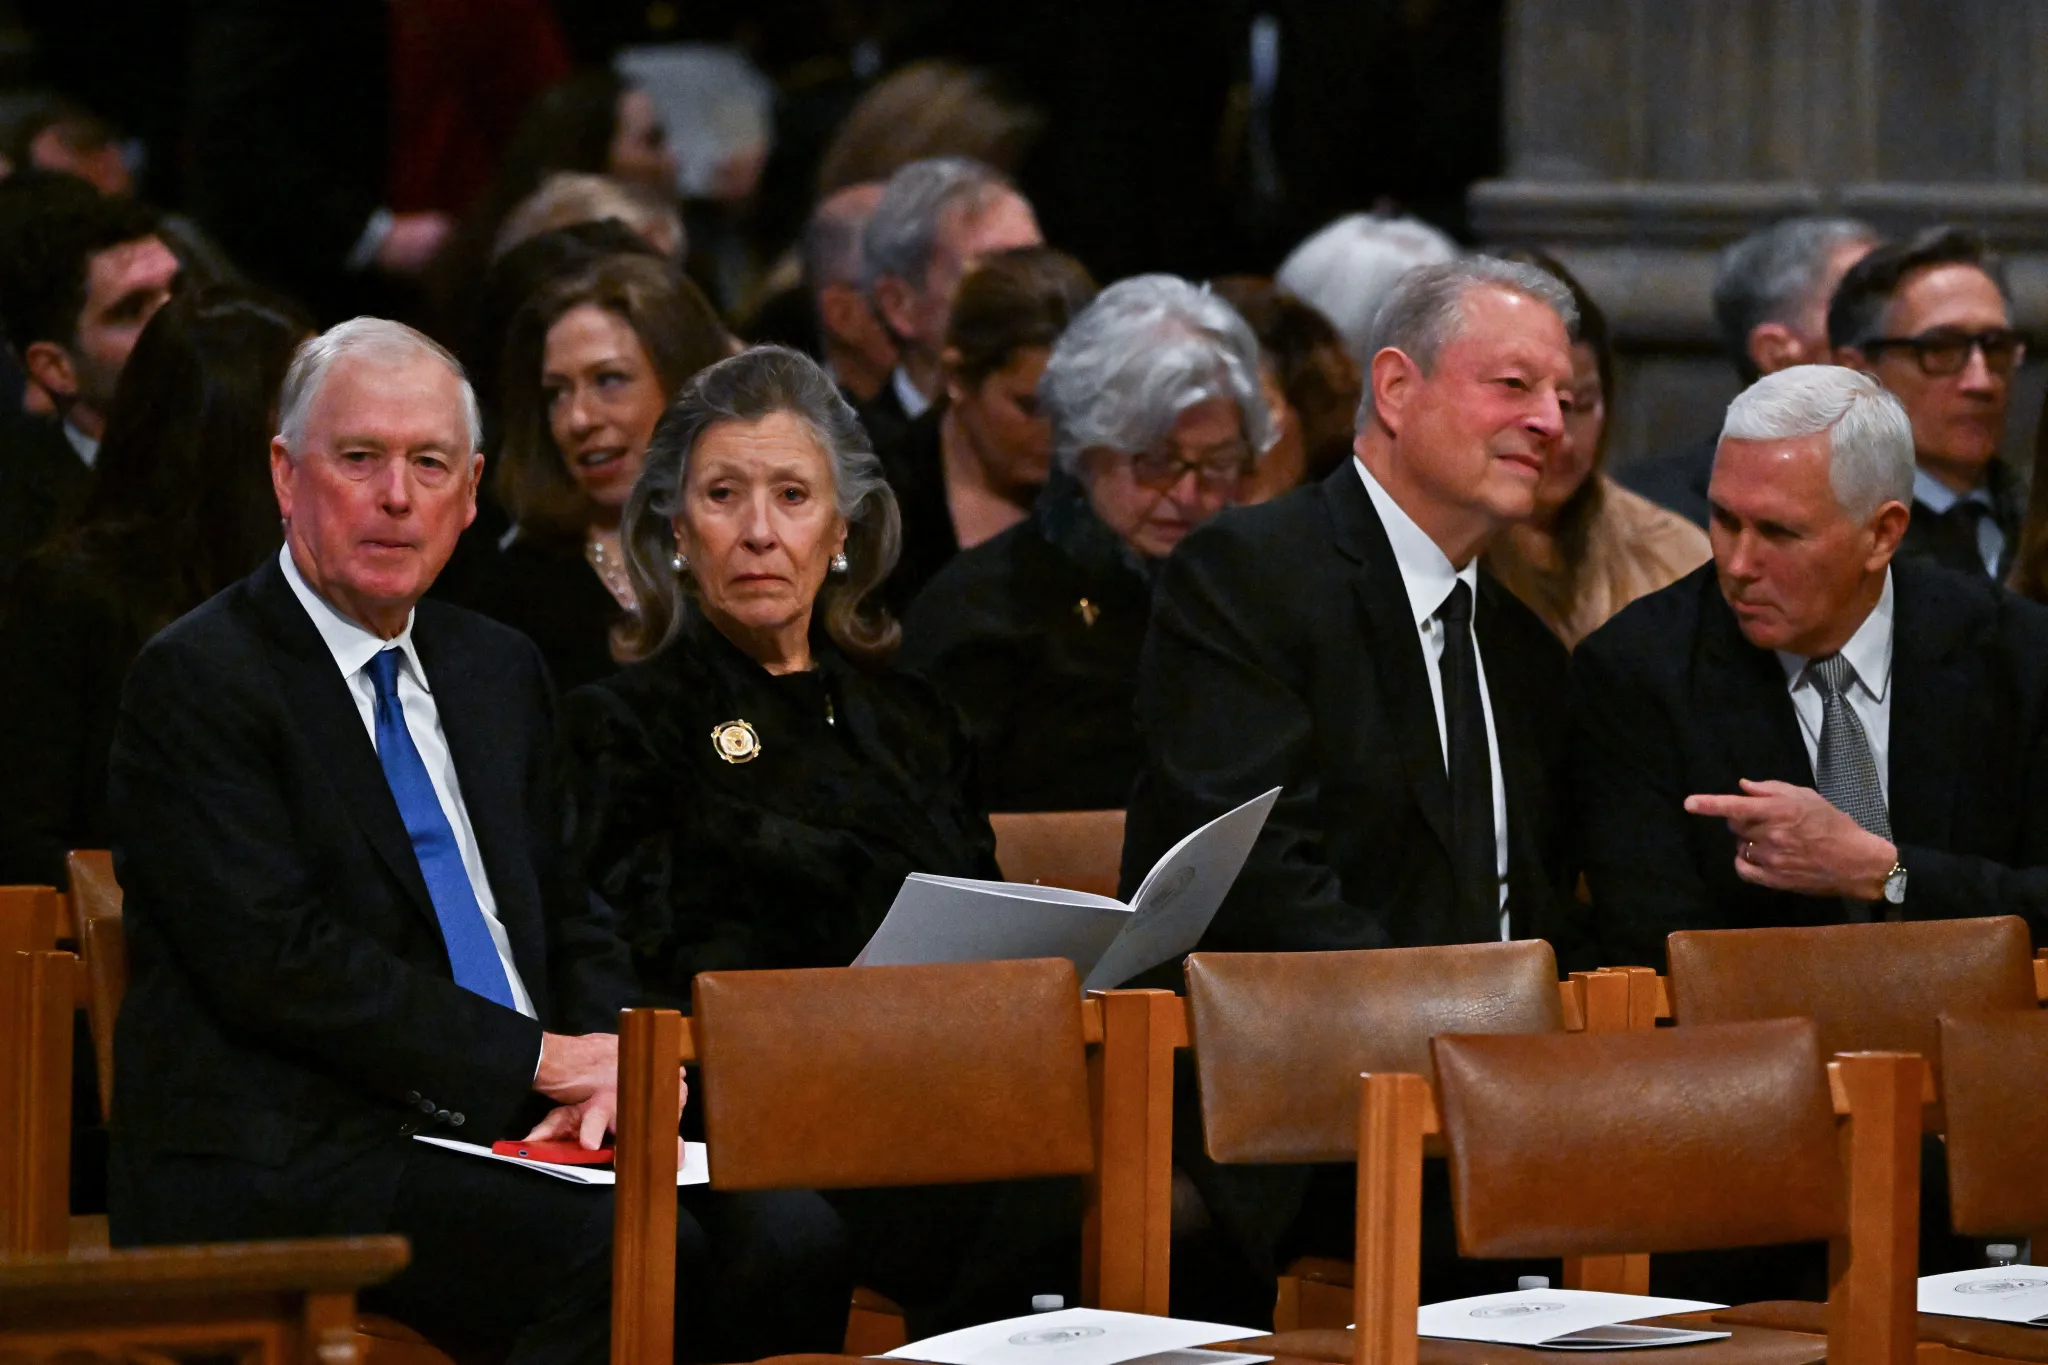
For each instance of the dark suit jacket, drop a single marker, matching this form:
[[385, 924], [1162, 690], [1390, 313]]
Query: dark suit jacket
[[291, 1019], [1282, 652], [1950, 538], [42, 485], [1669, 699], [549, 593]]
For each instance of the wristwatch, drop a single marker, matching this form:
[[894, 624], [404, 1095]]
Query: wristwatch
[[1895, 885]]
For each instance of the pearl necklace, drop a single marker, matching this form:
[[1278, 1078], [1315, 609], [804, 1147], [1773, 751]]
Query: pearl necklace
[[611, 573]]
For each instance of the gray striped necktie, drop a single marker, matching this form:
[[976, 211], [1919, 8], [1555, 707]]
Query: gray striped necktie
[[1846, 773]]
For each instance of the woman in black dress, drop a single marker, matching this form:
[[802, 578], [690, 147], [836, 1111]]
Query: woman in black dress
[[591, 361], [1157, 419], [752, 792]]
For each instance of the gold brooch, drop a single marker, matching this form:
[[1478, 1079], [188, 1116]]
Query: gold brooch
[[736, 742], [1087, 611]]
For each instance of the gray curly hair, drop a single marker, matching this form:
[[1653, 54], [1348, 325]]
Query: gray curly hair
[[757, 383], [1148, 349]]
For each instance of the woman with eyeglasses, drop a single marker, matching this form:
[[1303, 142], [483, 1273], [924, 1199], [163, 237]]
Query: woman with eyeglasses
[[1158, 420]]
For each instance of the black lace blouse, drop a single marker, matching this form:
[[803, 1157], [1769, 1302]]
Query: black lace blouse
[[789, 857]]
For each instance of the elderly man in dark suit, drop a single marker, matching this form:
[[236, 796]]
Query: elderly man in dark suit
[[333, 822], [1812, 730], [1343, 644]]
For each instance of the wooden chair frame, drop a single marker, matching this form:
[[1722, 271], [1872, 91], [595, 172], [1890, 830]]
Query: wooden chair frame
[[38, 995], [1871, 1298], [1126, 1227]]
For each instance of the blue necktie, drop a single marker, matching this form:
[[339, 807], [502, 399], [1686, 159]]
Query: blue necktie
[[471, 953]]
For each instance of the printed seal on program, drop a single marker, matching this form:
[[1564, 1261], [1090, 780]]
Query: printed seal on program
[[736, 742], [1056, 1336], [1516, 1310], [2009, 1286]]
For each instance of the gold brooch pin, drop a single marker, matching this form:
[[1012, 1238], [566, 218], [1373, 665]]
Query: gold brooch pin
[[736, 742], [1087, 611]]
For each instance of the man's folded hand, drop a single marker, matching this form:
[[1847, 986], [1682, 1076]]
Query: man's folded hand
[[581, 1071]]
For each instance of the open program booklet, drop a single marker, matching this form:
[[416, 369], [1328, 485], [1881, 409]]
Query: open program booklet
[[696, 1167], [1563, 1320], [958, 919]]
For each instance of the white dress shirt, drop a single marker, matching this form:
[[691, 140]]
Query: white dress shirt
[[1427, 574], [88, 447], [1869, 653], [353, 647], [908, 394], [1939, 497]]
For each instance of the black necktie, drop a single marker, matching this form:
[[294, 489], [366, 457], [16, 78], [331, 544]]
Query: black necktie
[[1473, 850]]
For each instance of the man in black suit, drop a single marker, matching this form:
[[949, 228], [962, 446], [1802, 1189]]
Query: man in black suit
[[1931, 318], [1771, 292], [1812, 730], [1342, 643], [334, 826], [80, 276]]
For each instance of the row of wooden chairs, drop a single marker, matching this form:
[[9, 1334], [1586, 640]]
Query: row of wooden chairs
[[1383, 1008]]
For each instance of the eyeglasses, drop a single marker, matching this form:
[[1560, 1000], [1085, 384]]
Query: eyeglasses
[[1218, 471], [1946, 350]]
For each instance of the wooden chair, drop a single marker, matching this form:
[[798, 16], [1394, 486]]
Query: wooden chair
[[1080, 850], [857, 1077], [31, 918], [96, 916], [1670, 1140], [1280, 1038], [259, 1303]]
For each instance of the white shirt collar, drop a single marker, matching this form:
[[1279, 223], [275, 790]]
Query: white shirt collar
[[1938, 497], [88, 447], [908, 394], [1426, 571], [1869, 650], [351, 645]]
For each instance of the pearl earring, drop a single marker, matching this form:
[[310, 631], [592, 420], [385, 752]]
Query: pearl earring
[[677, 562], [839, 562]]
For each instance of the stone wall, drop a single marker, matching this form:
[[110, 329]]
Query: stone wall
[[1644, 135]]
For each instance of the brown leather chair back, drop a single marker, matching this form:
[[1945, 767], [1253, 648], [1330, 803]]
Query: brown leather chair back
[[1280, 1038], [1996, 1088], [96, 910], [1657, 1140], [866, 1076], [1870, 987], [1078, 850]]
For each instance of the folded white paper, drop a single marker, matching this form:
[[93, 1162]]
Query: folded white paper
[[1561, 1319], [696, 1163], [958, 919], [1072, 1336], [2003, 1293]]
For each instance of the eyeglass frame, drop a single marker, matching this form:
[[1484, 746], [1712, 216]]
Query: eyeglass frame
[[1973, 343], [1213, 481]]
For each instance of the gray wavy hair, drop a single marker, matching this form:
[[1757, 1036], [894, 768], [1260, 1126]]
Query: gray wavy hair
[[1870, 438], [757, 383], [1347, 268], [1426, 309], [903, 231], [1148, 349]]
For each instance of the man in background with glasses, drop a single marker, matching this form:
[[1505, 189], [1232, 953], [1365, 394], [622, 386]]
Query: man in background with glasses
[[1931, 319]]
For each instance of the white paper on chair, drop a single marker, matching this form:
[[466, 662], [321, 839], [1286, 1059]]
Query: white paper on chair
[[2003, 1293], [1077, 1336], [959, 919], [1562, 1320], [696, 1169]]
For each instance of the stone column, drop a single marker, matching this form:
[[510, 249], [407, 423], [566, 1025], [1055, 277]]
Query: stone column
[[1644, 135]]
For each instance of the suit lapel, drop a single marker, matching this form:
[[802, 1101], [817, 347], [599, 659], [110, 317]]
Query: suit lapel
[[326, 713], [492, 787], [1933, 691], [1392, 640], [1521, 763], [1744, 689]]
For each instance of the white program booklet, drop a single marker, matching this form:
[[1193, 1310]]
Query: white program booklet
[[958, 919], [696, 1169], [2000, 1293], [1079, 1336], [1562, 1320]]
